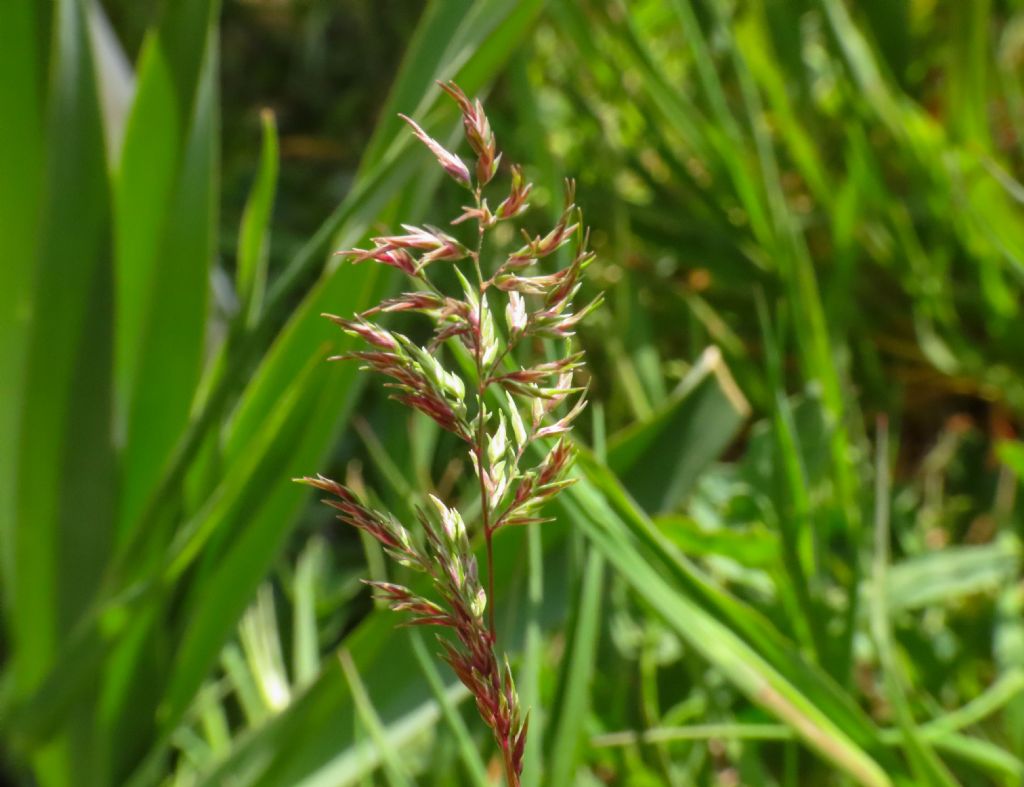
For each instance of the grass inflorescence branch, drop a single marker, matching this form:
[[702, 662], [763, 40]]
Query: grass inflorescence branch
[[537, 402]]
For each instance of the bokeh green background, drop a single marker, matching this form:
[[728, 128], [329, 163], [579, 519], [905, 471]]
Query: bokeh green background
[[794, 553]]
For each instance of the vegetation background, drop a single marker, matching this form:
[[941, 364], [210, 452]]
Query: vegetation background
[[794, 554]]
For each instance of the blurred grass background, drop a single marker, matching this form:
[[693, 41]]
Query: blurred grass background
[[794, 555]]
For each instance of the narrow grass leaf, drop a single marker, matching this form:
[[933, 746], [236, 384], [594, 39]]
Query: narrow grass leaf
[[65, 480], [167, 363], [393, 768], [254, 237], [22, 158], [305, 640], [572, 705]]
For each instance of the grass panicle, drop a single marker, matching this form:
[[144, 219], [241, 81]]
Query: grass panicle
[[536, 402]]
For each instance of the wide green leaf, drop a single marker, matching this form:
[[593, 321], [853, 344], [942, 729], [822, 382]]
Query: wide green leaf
[[66, 468], [22, 158]]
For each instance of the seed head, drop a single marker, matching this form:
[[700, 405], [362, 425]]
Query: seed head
[[530, 397]]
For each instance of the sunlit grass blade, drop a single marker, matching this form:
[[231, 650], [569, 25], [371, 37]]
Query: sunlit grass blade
[[242, 683], [697, 732], [260, 640], [213, 719], [533, 666], [983, 755], [395, 773], [309, 572], [940, 578]]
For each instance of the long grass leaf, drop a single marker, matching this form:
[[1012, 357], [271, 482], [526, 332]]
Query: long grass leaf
[[253, 236], [21, 160], [571, 707], [305, 641], [65, 476], [393, 768], [166, 212]]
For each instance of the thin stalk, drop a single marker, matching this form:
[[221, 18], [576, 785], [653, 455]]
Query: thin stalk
[[481, 432], [485, 506], [510, 769], [483, 380]]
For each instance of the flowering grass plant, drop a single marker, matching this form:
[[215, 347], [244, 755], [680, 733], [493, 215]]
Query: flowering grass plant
[[499, 408]]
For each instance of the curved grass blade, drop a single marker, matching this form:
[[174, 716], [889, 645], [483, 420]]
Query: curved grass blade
[[253, 237]]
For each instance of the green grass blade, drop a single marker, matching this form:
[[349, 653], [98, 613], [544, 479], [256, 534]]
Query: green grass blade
[[696, 732], [305, 641], [572, 705], [984, 755], [71, 279], [143, 185], [66, 469], [244, 685], [166, 368], [21, 160], [1005, 689], [213, 719], [227, 575], [260, 640], [160, 378], [799, 548], [253, 237], [532, 670], [769, 73], [393, 768], [968, 78]]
